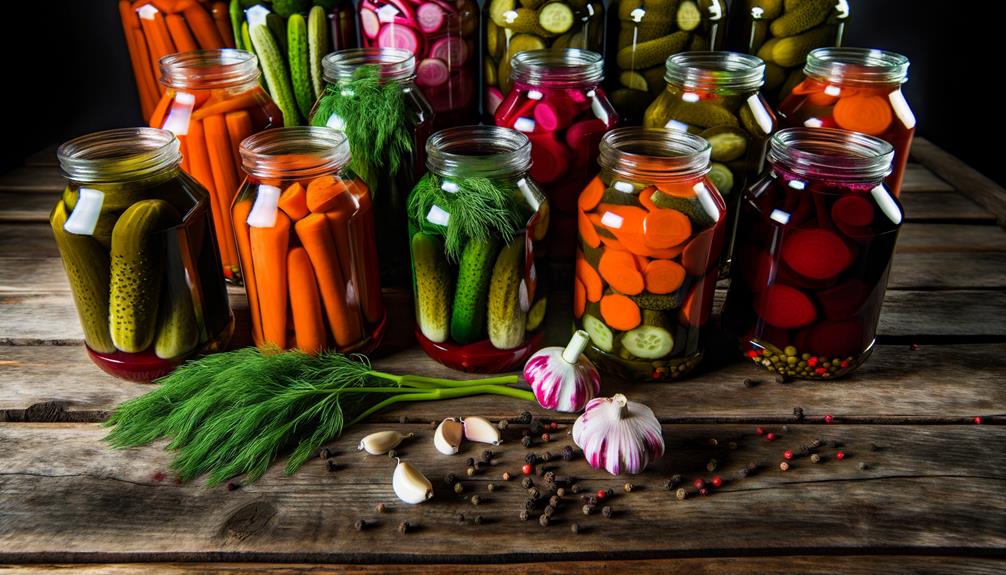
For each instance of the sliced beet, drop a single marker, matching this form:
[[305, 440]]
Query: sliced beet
[[431, 18], [836, 339], [493, 99], [451, 49], [515, 106], [406, 9], [549, 159], [432, 72], [369, 21], [785, 307], [816, 254], [400, 36], [584, 137], [554, 114], [844, 300]]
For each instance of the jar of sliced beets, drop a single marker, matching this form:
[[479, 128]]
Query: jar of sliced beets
[[477, 223], [558, 102], [859, 90], [651, 229], [815, 238]]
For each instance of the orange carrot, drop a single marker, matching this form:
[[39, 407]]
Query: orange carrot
[[130, 26], [641, 261], [666, 228], [821, 98], [663, 276], [199, 168], [156, 31], [170, 6], [338, 219], [180, 35], [268, 250], [619, 270], [222, 19], [225, 178], [239, 127], [579, 298], [243, 237], [159, 113], [294, 201], [588, 233], [246, 99], [620, 312], [182, 148], [147, 71], [315, 234], [365, 255], [701, 252], [203, 28], [308, 325], [325, 193], [698, 305], [646, 198], [867, 114], [678, 189], [591, 195], [589, 277]]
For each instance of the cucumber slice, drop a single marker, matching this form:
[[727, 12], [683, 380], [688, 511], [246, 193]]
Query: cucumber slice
[[722, 178], [599, 333], [727, 142], [689, 17], [498, 10], [556, 18], [648, 342]]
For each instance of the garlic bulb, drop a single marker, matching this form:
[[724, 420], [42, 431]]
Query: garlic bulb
[[563, 379], [618, 435], [411, 486]]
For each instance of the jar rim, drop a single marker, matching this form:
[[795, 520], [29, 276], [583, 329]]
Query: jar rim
[[208, 69], [120, 154], [294, 152], [395, 64], [557, 67], [831, 153], [478, 151], [718, 71], [654, 154], [863, 66]]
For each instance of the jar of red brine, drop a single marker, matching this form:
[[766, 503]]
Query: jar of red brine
[[855, 89], [814, 243], [558, 102]]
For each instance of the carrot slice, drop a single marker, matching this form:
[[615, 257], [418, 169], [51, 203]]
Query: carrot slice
[[579, 298], [315, 234], [589, 277], [685, 190], [620, 312], [325, 193], [698, 305], [222, 20], [240, 101], [867, 114], [180, 35], [269, 256], [591, 195], [305, 303], [243, 237], [203, 28], [239, 127], [619, 270], [641, 261], [588, 234], [338, 219], [365, 257], [293, 201], [646, 198], [702, 251], [666, 228], [664, 276]]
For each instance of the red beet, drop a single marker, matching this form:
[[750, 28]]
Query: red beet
[[584, 137], [451, 49], [432, 72], [816, 253], [785, 307], [844, 300], [855, 211], [369, 21], [554, 114], [549, 159], [405, 8], [431, 18], [514, 106], [400, 36]]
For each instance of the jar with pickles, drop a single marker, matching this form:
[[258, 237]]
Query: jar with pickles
[[305, 231], [212, 102], [648, 32], [651, 228], [815, 238], [557, 100], [477, 223], [859, 90], [515, 26], [136, 238]]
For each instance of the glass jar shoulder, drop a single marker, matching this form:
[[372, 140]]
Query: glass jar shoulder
[[244, 109]]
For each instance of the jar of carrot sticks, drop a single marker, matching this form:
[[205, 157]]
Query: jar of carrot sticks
[[815, 238], [557, 100], [651, 231], [305, 231], [859, 90], [477, 223], [136, 238], [371, 96], [213, 101], [157, 28]]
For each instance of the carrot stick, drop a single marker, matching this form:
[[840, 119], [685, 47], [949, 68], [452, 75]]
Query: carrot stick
[[619, 270], [591, 195], [867, 114], [666, 228], [325, 193], [225, 178], [579, 298], [182, 148], [240, 101], [239, 127], [308, 325], [222, 19], [588, 233], [203, 28], [620, 312], [200, 169], [663, 276], [338, 219], [159, 113], [158, 36], [180, 35], [268, 250], [365, 256], [170, 6], [131, 26], [315, 234], [242, 235], [293, 201], [589, 277]]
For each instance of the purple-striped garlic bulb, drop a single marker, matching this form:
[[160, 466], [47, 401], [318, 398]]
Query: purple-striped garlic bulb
[[618, 435], [563, 379]]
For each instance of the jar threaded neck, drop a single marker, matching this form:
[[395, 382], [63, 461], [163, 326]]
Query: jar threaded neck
[[715, 71], [857, 66], [117, 155], [831, 153], [478, 151], [654, 154], [557, 67], [395, 64], [294, 152], [209, 69]]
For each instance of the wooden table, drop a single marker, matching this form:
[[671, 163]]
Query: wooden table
[[923, 488]]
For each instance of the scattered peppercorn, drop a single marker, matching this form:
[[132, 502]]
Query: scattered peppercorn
[[458, 488], [381, 508], [815, 444], [360, 525], [784, 466], [815, 458], [470, 462], [503, 424], [587, 509], [798, 413], [450, 479], [332, 466], [575, 488], [526, 482], [549, 477], [575, 528], [567, 453], [487, 455], [711, 466], [530, 458], [543, 520], [477, 520], [760, 430], [506, 476], [524, 514], [491, 487], [699, 483], [978, 420], [537, 428], [524, 417], [526, 469], [325, 453], [669, 485], [476, 500], [549, 511], [529, 505], [717, 481], [459, 517], [404, 527], [748, 382], [829, 418], [628, 487], [534, 493], [554, 501], [744, 472], [770, 436], [703, 491], [470, 471], [546, 437], [601, 493], [547, 456], [681, 493], [788, 454], [840, 455], [561, 492], [525, 441], [863, 466]]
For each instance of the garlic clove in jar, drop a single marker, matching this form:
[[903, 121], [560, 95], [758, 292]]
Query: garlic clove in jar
[[382, 442], [563, 379], [618, 435], [480, 430], [447, 438], [410, 485]]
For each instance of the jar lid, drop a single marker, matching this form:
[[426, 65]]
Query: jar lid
[[294, 152], [831, 153], [208, 69], [478, 151], [654, 154], [394, 63], [718, 71], [117, 155], [857, 66], [557, 67]]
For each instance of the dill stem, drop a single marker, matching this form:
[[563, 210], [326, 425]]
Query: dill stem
[[436, 382], [451, 393]]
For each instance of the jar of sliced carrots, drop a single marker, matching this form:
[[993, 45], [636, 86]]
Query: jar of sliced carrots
[[305, 231], [136, 239], [815, 238], [859, 90], [371, 96], [212, 102], [477, 223], [157, 28], [651, 228], [557, 100]]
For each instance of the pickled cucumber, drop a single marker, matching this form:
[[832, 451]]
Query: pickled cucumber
[[803, 17], [691, 208], [468, 314], [775, 75], [750, 124], [727, 142], [525, 22], [498, 10], [177, 329], [792, 51], [653, 52], [722, 178], [688, 17], [433, 286], [703, 114], [627, 8], [658, 302], [536, 314], [507, 321], [600, 334], [633, 81], [648, 342]]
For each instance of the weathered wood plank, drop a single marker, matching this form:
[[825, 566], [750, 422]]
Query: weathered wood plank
[[66, 497], [965, 178], [44, 179], [918, 178]]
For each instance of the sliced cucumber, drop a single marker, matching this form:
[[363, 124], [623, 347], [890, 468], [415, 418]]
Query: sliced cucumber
[[556, 18], [722, 178], [599, 333], [648, 342], [689, 17]]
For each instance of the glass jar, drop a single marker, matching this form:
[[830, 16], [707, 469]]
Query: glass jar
[[859, 90], [477, 222], [443, 36], [515, 26], [290, 39], [815, 237], [653, 219], [371, 95], [649, 31], [212, 102], [715, 95], [158, 28], [783, 33], [305, 231], [137, 242], [558, 102]]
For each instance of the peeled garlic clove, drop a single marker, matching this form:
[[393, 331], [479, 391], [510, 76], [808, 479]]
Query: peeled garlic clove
[[447, 439], [411, 486], [480, 430], [382, 442], [618, 435], [563, 379]]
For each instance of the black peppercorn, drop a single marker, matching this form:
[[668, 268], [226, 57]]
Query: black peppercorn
[[549, 511], [592, 501], [530, 458], [669, 485], [477, 520], [470, 462], [537, 428], [609, 492], [332, 466], [798, 413], [404, 527], [525, 441], [748, 382], [606, 511], [549, 477], [815, 444], [526, 482], [575, 488], [534, 493], [547, 456], [459, 517], [525, 417], [525, 433], [360, 525], [567, 453], [487, 455], [450, 479], [543, 520], [325, 453]]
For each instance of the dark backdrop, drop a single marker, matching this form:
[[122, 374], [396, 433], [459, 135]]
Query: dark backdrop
[[85, 84]]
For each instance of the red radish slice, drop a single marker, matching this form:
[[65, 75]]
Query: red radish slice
[[785, 307], [816, 254], [585, 137], [432, 72], [450, 49], [369, 22], [399, 36], [554, 114], [549, 159], [431, 18]]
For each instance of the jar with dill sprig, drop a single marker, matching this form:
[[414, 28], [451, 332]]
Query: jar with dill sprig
[[477, 224], [371, 96]]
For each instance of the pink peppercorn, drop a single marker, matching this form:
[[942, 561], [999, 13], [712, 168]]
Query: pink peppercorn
[[840, 455], [829, 418], [717, 481]]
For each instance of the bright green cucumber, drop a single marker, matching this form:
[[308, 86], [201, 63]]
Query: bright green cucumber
[[274, 70], [600, 334], [296, 29], [722, 178], [237, 16], [507, 321], [433, 286], [317, 47], [468, 314], [177, 329], [246, 38], [648, 342], [87, 268], [137, 273]]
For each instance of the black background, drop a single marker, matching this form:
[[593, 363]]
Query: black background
[[68, 72]]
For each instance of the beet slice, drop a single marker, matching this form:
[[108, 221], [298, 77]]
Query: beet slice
[[450, 49], [395, 35], [785, 307], [816, 254], [584, 137], [432, 72], [554, 114], [855, 211], [431, 18], [369, 21], [844, 300], [549, 159], [836, 339]]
